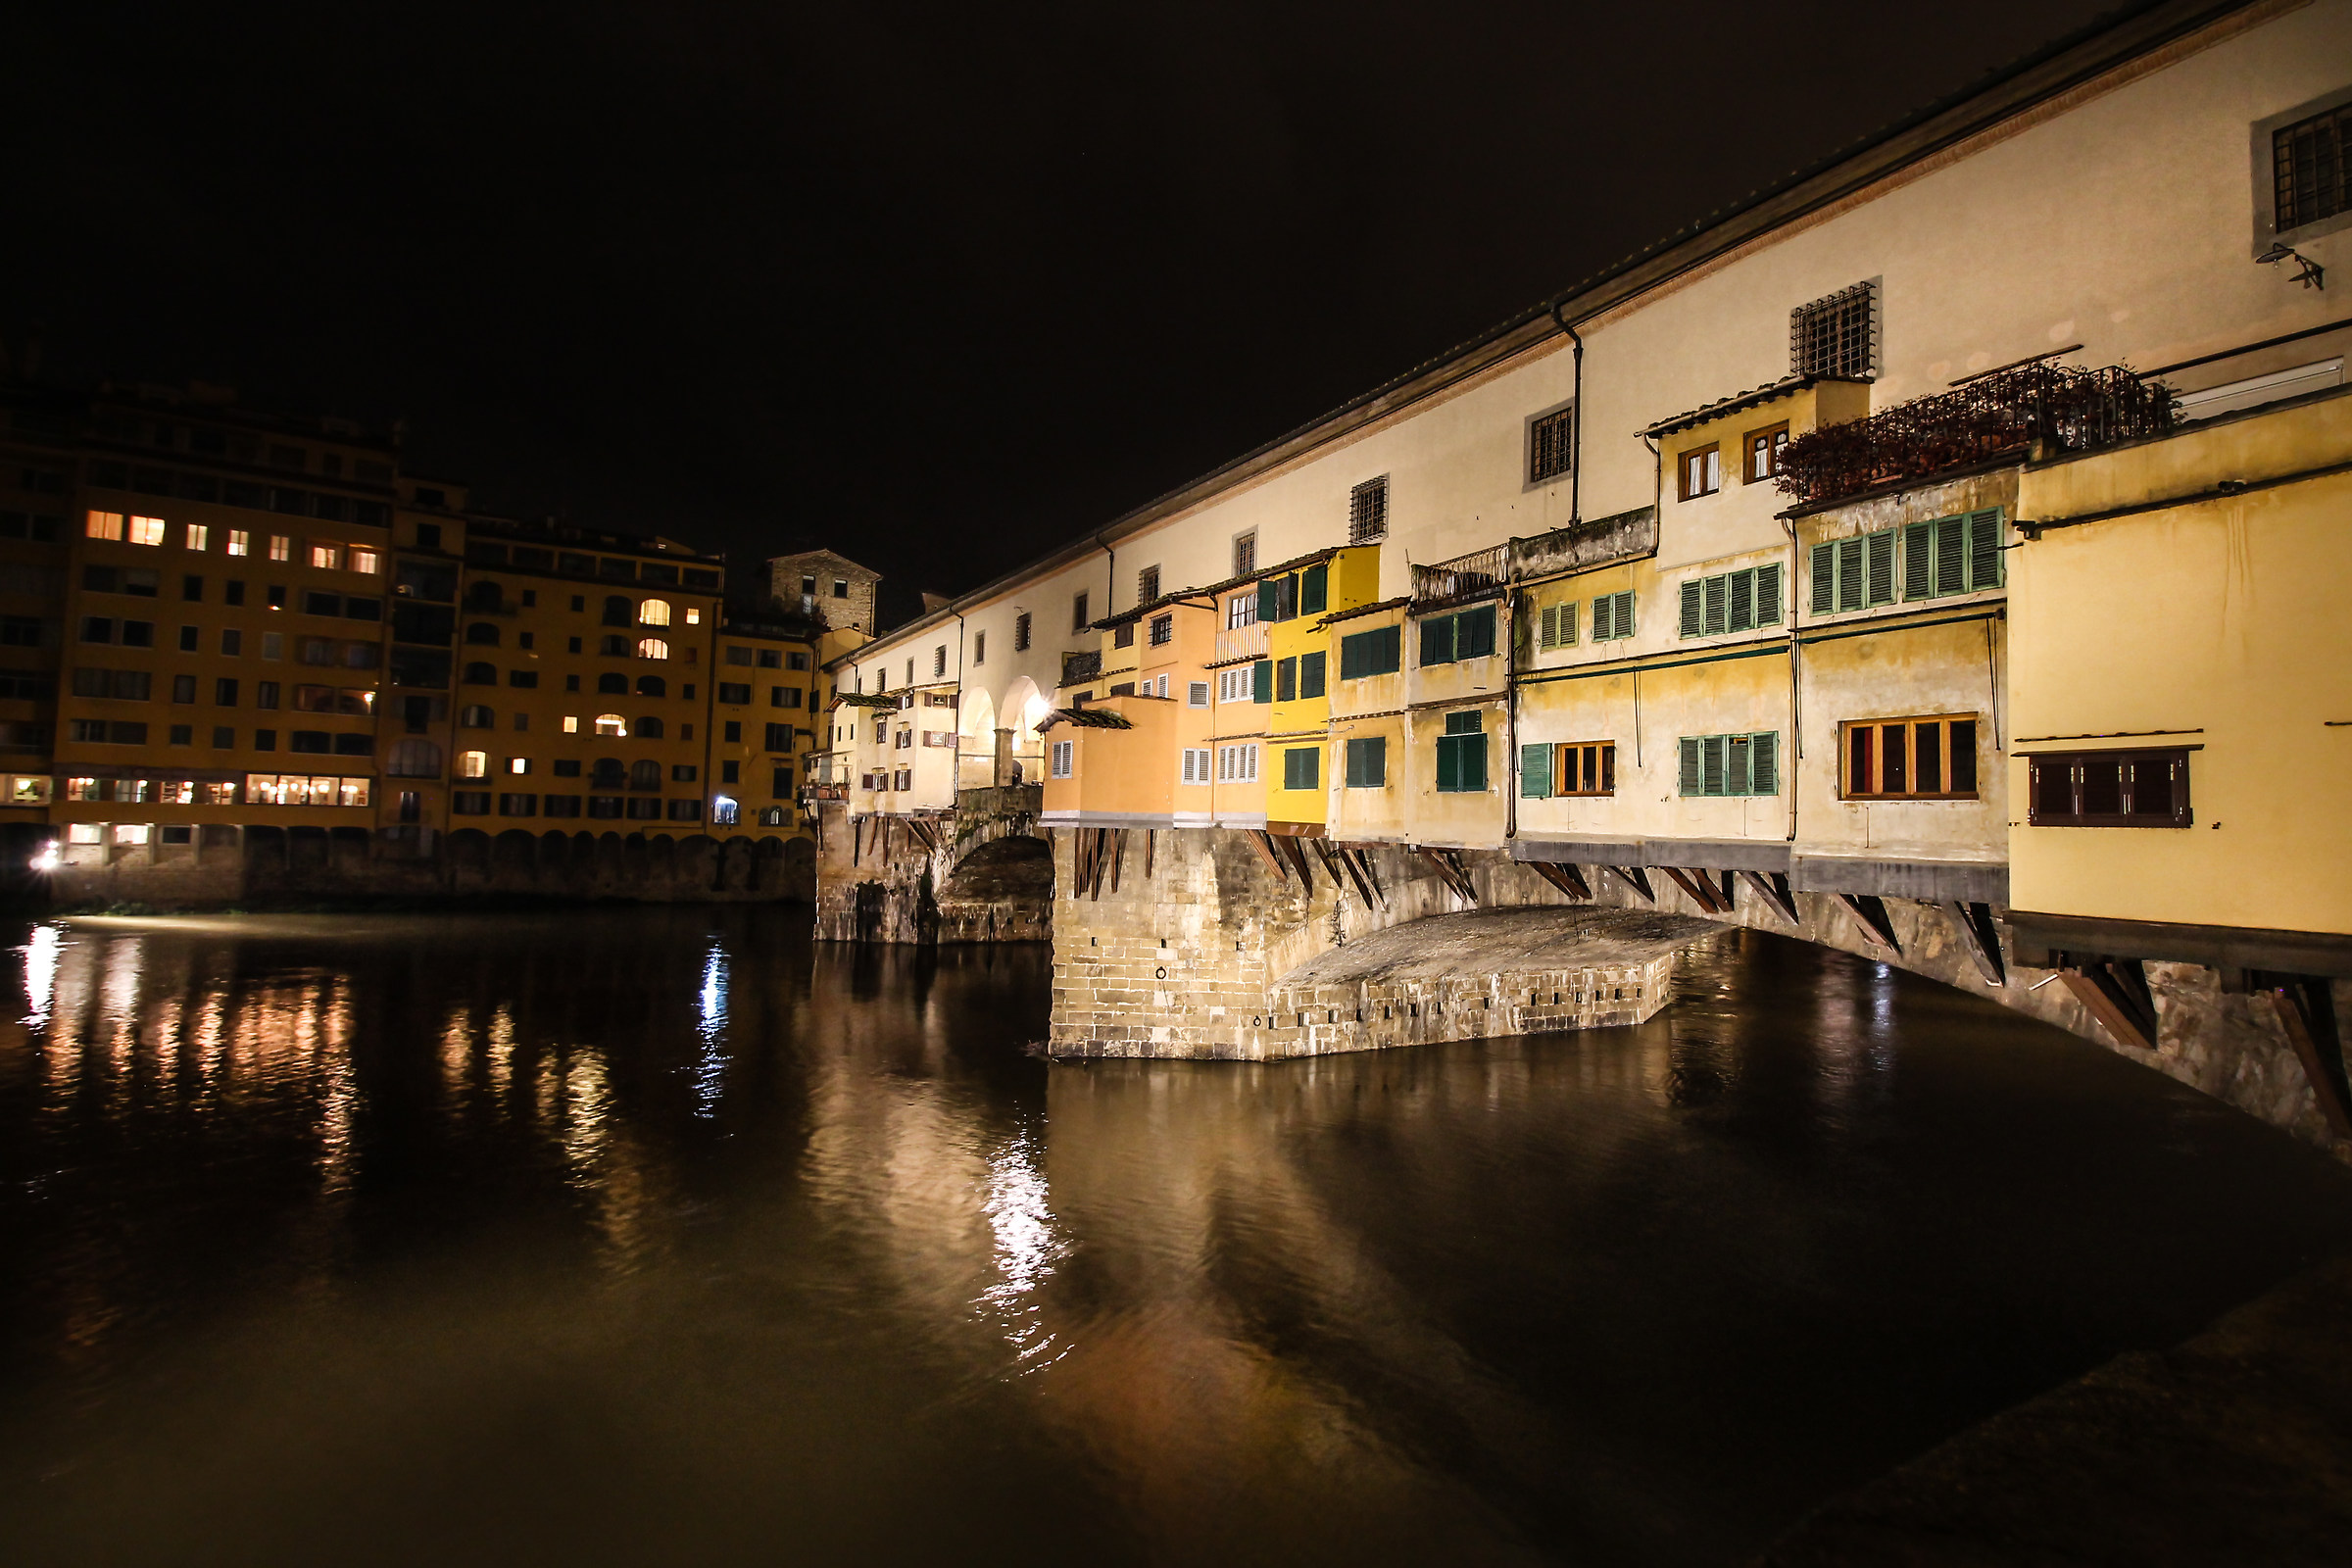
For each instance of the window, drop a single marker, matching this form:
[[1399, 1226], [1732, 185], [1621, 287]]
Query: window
[[146, 530], [470, 803], [648, 728], [1836, 336], [1301, 767], [1938, 556], [2311, 168], [1379, 651], [1261, 681], [1732, 600], [413, 758], [326, 558], [1233, 685], [1550, 446], [779, 782], [1195, 765], [480, 633], [1910, 759], [1555, 625], [1613, 617], [1147, 585], [645, 776], [733, 732], [1731, 764], [1311, 683], [1020, 632], [240, 542], [841, 587], [1286, 680], [1466, 634], [654, 612], [1063, 755], [1196, 693], [281, 547], [197, 534], [1584, 768], [651, 647], [19, 631], [1462, 753], [734, 692], [1698, 472], [104, 525], [476, 717], [1367, 761], [779, 737], [1368, 510], [121, 685], [370, 563], [1760, 453], [979, 652], [1237, 765], [1123, 635], [2109, 789], [1078, 611], [1244, 553]]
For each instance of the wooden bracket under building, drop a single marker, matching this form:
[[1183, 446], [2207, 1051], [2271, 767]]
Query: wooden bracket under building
[[1359, 871], [1633, 876], [1264, 842], [1982, 941], [1700, 887], [1870, 913], [2115, 993], [2307, 1012], [1448, 864], [1567, 879], [1773, 888], [1290, 847]]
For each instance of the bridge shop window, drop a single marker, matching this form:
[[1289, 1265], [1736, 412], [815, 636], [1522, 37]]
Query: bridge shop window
[[1367, 761], [1237, 765], [1195, 765], [1462, 753], [1612, 616], [1062, 759], [1698, 471], [1378, 651], [1731, 764], [1550, 445], [2109, 789], [1732, 600], [1234, 685], [1303, 767], [1368, 510], [1574, 767], [1465, 634], [1932, 758], [1555, 625], [1760, 453], [1295, 594]]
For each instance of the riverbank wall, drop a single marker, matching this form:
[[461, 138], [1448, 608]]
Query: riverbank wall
[[224, 865]]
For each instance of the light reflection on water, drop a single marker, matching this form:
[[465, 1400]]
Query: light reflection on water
[[654, 1235]]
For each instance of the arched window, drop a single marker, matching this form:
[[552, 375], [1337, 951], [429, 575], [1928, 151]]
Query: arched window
[[725, 813], [651, 686], [483, 595], [617, 685], [414, 758], [481, 674], [473, 764], [645, 775], [619, 612], [771, 816], [612, 724], [608, 775], [651, 647], [477, 716], [649, 729], [654, 612], [482, 633]]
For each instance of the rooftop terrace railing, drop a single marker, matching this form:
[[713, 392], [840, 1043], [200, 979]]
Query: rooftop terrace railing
[[2032, 408], [1079, 666], [1240, 642], [1482, 571]]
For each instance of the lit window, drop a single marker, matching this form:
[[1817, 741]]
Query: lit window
[[654, 612], [612, 724], [198, 533], [146, 530], [105, 525], [519, 765], [694, 617], [131, 832], [86, 833], [366, 560], [83, 789], [281, 547], [473, 764], [571, 726], [651, 647], [326, 558], [241, 543], [352, 792]]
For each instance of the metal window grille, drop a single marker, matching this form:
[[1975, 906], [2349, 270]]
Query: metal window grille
[[1078, 613], [1836, 336], [1147, 585], [1368, 510], [1163, 630], [1551, 446], [1244, 554], [2310, 165], [1020, 632]]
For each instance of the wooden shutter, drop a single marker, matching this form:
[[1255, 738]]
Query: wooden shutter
[[1735, 749], [1625, 614], [1568, 623], [1825, 578], [1535, 773], [1919, 561], [1764, 764], [1849, 574], [1739, 588], [1474, 761], [1436, 640], [1310, 675], [1951, 556], [1691, 606], [1450, 761], [1881, 568], [1548, 627], [1261, 681], [1985, 549], [1604, 617], [1768, 595], [1269, 601], [1713, 589], [1689, 769], [1313, 590], [1710, 763], [1474, 632]]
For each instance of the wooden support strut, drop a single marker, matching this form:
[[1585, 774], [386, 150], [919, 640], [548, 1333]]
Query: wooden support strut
[[1360, 872], [2116, 994], [1982, 941], [1450, 871], [1264, 842], [1567, 879], [2307, 1012], [1701, 888], [1296, 854], [1870, 913], [1633, 876], [1773, 889]]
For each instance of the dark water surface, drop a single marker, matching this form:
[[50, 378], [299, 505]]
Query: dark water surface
[[664, 1236]]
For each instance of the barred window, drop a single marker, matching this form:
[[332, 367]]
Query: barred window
[[1020, 632], [1244, 553], [1368, 510], [1836, 336], [1550, 446], [1147, 585], [2310, 170]]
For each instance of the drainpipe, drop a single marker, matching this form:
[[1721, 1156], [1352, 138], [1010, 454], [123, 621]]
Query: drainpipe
[[1797, 734], [1510, 715], [1576, 397]]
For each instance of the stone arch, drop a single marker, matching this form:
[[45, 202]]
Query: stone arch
[[1024, 708], [976, 740]]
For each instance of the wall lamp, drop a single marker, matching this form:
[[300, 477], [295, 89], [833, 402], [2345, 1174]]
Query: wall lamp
[[2312, 273]]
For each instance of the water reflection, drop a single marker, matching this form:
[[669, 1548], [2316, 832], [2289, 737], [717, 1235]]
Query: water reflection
[[637, 1235]]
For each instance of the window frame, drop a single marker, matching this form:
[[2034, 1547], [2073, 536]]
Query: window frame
[[1604, 755], [1704, 613], [1691, 764], [1368, 510], [1362, 756], [1692, 463], [2262, 148], [1544, 442], [2181, 815], [1453, 749], [1909, 722], [1750, 471]]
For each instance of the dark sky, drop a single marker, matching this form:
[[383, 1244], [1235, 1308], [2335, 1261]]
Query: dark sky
[[985, 276]]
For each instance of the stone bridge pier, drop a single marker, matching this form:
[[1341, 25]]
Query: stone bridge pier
[[981, 873]]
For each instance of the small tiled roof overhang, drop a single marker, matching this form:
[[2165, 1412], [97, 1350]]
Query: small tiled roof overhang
[[1735, 404], [1085, 718], [1375, 609], [1215, 588]]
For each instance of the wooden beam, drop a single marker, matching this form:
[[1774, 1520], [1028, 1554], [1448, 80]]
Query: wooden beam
[[1296, 853], [1870, 913], [1118, 855], [2307, 1012], [1982, 941], [1567, 879], [1360, 874], [1773, 889], [1701, 893], [2098, 991], [1150, 850], [1264, 842], [1633, 876]]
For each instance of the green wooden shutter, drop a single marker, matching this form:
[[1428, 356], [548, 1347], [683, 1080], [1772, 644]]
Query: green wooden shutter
[[1388, 652], [1768, 595], [1691, 608], [1474, 632], [1568, 623], [1765, 764], [1310, 675], [1881, 589], [1712, 590], [1951, 556], [1919, 561], [1735, 764], [1261, 681], [1474, 761], [1849, 574], [1689, 769], [1535, 773], [1450, 761], [1286, 680], [1436, 640], [1984, 550], [1604, 617], [1547, 629], [1314, 589], [1352, 656], [1625, 614], [1825, 578], [1376, 761], [1739, 588], [1269, 601], [1710, 763]]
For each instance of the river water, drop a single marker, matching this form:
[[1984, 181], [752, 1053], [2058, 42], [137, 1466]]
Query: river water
[[652, 1236]]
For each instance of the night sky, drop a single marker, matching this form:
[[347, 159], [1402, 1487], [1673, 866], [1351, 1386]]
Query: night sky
[[985, 277]]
